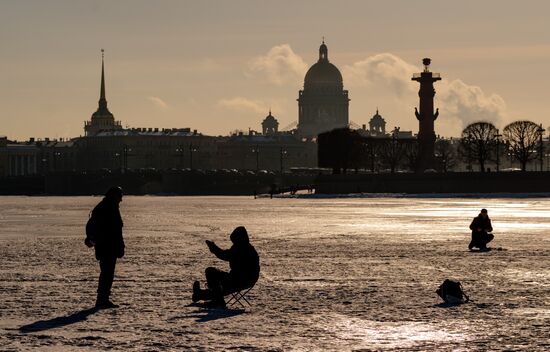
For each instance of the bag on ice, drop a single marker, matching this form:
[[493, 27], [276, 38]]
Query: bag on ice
[[451, 292]]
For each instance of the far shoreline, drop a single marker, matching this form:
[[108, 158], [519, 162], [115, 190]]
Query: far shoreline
[[316, 196]]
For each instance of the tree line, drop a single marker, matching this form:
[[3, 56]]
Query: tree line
[[345, 150], [481, 143]]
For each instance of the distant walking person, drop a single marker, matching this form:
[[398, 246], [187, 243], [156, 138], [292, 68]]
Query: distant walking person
[[245, 270], [104, 232], [481, 228]]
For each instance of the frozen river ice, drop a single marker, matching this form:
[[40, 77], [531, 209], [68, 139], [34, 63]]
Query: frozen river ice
[[337, 274]]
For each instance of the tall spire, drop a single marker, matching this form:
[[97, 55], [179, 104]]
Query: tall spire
[[102, 109], [102, 94]]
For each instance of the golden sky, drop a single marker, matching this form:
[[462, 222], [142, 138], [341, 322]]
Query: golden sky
[[217, 66]]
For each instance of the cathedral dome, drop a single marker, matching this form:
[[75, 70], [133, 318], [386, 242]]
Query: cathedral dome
[[377, 117], [270, 118], [323, 72]]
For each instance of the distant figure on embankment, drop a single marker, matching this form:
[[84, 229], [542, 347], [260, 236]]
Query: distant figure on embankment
[[245, 270], [104, 232], [481, 231]]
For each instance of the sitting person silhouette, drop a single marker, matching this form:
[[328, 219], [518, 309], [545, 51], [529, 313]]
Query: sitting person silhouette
[[245, 270], [481, 228]]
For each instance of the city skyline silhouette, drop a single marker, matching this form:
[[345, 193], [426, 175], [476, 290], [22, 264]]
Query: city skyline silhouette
[[167, 71]]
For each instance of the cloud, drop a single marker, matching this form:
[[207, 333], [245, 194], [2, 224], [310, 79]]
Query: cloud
[[382, 70], [459, 102], [469, 103], [244, 105], [279, 66], [158, 102]]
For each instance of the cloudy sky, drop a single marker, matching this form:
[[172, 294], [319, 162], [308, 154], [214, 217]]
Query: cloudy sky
[[217, 66]]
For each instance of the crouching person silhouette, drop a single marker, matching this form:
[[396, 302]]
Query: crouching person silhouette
[[245, 270], [481, 231], [104, 232]]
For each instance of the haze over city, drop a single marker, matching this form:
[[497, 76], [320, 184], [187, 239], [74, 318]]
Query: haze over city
[[220, 66]]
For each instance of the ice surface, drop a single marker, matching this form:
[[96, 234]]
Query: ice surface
[[356, 273]]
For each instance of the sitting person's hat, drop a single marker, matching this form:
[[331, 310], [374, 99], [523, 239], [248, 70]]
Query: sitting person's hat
[[239, 235]]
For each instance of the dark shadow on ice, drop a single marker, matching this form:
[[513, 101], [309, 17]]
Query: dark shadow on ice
[[205, 314], [489, 249], [58, 322], [448, 305]]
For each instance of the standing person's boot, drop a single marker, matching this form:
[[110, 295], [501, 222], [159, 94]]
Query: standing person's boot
[[102, 303], [471, 245]]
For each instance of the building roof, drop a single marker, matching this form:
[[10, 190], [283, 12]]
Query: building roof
[[260, 138], [182, 132]]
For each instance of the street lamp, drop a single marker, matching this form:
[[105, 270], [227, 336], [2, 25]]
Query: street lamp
[[257, 151], [44, 160], [55, 155], [125, 151], [541, 148], [497, 136], [282, 153], [180, 150], [117, 155], [192, 149], [469, 144]]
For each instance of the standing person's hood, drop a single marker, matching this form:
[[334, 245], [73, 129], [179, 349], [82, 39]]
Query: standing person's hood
[[239, 236]]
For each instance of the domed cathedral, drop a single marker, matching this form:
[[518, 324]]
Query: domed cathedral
[[323, 103]]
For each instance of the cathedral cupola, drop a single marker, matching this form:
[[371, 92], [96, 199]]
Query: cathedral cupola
[[323, 103]]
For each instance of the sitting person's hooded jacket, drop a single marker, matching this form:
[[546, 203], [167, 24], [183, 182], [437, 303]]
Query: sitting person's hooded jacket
[[242, 257]]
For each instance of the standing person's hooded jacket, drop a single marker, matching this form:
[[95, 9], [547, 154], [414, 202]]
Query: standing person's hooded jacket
[[242, 257], [109, 241]]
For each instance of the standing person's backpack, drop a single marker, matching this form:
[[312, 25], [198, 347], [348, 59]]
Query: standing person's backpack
[[451, 292], [92, 230]]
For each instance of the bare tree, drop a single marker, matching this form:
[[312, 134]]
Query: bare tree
[[523, 138], [411, 155], [445, 154], [373, 146], [392, 151], [478, 143]]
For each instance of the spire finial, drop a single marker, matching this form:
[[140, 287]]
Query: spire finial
[[102, 100], [323, 51]]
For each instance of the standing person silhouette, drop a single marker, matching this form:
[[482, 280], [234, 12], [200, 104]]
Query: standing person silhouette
[[108, 243], [481, 226]]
